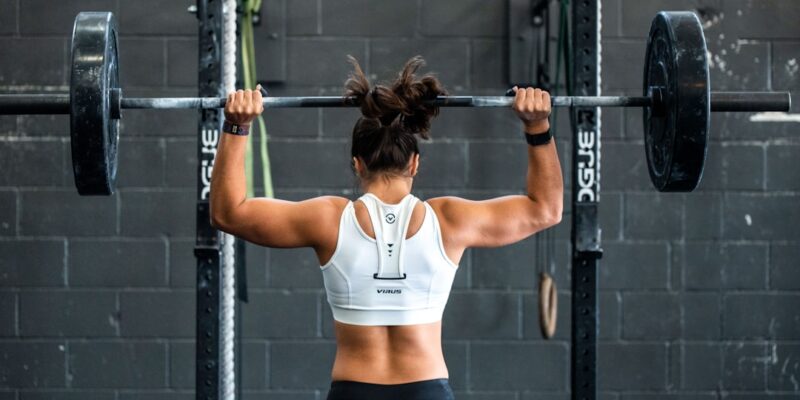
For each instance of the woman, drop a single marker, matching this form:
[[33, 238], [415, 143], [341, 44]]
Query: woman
[[387, 259]]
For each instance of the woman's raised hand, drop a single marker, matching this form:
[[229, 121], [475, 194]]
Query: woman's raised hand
[[533, 108], [243, 106]]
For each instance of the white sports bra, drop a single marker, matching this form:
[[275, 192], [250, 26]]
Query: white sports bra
[[389, 280]]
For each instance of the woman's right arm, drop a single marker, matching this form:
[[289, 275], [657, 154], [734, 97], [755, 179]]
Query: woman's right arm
[[509, 219], [268, 222]]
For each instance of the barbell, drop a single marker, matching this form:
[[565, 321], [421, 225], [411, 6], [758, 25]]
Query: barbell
[[677, 102]]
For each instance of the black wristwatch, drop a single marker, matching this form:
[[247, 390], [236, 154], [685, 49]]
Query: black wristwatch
[[234, 129], [539, 138]]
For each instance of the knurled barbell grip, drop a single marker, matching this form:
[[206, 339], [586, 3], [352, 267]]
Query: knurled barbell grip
[[336, 101], [720, 101], [59, 103]]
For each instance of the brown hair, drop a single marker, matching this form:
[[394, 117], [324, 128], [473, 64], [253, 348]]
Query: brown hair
[[385, 137]]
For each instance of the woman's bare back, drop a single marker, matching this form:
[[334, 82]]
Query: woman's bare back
[[385, 354]]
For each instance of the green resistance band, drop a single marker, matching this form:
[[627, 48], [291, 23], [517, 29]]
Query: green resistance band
[[251, 8]]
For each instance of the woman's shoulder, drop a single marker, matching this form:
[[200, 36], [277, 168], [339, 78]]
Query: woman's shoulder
[[333, 204], [333, 200], [441, 202], [328, 210]]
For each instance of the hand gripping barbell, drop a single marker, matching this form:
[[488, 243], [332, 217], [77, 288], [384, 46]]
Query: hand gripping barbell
[[677, 102]]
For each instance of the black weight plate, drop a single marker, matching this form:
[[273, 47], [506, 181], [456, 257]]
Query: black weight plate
[[94, 133], [676, 128]]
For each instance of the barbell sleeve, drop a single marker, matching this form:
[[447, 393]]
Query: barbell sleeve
[[34, 104], [750, 101]]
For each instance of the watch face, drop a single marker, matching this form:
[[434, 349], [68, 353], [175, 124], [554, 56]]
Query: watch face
[[235, 129]]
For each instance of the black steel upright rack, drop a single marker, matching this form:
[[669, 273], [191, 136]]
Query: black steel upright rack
[[585, 237], [208, 339]]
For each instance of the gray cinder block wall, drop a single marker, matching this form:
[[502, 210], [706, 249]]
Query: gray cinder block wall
[[700, 292]]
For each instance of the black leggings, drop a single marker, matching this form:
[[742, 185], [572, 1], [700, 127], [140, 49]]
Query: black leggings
[[434, 389]]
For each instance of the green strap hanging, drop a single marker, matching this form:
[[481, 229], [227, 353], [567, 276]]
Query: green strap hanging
[[250, 8]]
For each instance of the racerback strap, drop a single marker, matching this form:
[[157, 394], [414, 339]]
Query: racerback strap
[[390, 223]]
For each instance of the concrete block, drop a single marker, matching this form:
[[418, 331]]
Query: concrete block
[[302, 17], [153, 213], [32, 163], [35, 364], [634, 266], [653, 216], [304, 55], [181, 164], [8, 314], [137, 18], [760, 315], [64, 213], [631, 366], [119, 365], [181, 64], [770, 19], [141, 163], [496, 366], [280, 315], [447, 59], [294, 268], [701, 316], [464, 18], [103, 263], [783, 273], [157, 314], [702, 366], [50, 58], [782, 367], [482, 315], [290, 367], [651, 316], [149, 58], [32, 263], [703, 216], [8, 20], [744, 366], [781, 171], [68, 314], [359, 18], [760, 216]]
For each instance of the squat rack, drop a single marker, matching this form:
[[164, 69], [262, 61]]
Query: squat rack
[[585, 236], [207, 251]]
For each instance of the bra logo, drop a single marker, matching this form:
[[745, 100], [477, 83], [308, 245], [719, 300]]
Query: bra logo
[[390, 291], [390, 218]]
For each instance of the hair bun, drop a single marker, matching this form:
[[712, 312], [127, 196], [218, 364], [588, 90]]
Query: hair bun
[[357, 86], [403, 104], [414, 94]]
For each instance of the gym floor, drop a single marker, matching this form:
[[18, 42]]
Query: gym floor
[[700, 292]]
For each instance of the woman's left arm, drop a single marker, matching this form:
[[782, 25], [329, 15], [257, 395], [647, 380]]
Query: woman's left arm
[[268, 222]]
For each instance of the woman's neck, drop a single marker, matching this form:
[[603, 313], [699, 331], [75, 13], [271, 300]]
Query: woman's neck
[[391, 190]]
